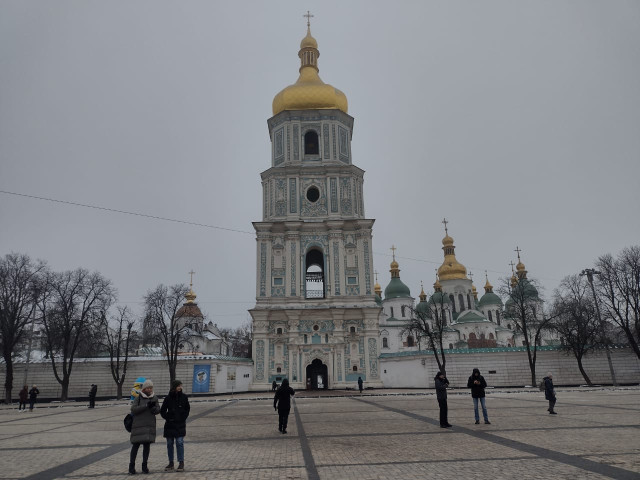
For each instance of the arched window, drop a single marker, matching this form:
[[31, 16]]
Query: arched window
[[279, 331], [453, 302], [461, 300], [402, 310], [469, 302], [385, 342], [355, 368], [315, 274], [326, 338], [472, 336], [410, 341], [311, 144], [491, 337], [451, 346], [391, 310], [352, 329], [305, 338], [482, 337], [490, 316], [278, 370], [498, 316]]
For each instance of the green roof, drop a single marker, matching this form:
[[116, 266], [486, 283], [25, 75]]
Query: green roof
[[470, 316], [439, 297], [396, 289], [378, 299], [490, 299], [423, 307]]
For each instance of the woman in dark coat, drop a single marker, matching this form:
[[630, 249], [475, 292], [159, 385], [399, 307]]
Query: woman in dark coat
[[23, 395], [441, 393], [550, 393], [144, 409], [477, 384], [282, 403], [175, 410]]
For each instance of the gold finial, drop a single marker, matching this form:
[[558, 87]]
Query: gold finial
[[395, 271], [191, 282], [445, 221], [190, 296], [309, 17], [423, 296]]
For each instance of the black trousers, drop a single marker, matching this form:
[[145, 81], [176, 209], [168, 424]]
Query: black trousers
[[92, 402], [283, 419], [444, 411], [22, 406], [552, 403], [146, 448]]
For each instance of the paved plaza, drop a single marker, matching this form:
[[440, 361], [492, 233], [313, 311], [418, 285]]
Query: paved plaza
[[596, 434]]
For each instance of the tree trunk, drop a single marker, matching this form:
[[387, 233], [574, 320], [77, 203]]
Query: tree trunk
[[584, 374], [119, 391], [632, 341], [8, 381], [65, 389], [172, 372]]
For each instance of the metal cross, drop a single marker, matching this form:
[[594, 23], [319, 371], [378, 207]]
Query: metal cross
[[518, 250], [486, 276], [376, 274], [444, 220], [393, 248], [191, 273], [309, 17], [512, 264], [471, 275]]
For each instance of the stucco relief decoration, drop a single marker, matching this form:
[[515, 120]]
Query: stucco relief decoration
[[271, 202], [367, 272], [336, 267], [322, 355], [319, 207], [294, 372], [271, 355], [333, 137], [344, 144], [293, 269], [278, 147], [281, 197], [345, 196], [339, 369], [296, 143], [285, 351], [293, 199], [373, 358], [324, 326], [307, 241], [260, 360], [333, 182], [288, 143], [263, 269], [325, 138]]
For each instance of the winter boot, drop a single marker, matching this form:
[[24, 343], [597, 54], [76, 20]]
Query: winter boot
[[180, 467], [144, 468], [132, 469], [169, 467]]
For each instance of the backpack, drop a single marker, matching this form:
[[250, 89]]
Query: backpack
[[542, 386], [128, 422]]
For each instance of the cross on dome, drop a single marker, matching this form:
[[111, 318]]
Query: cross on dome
[[518, 251], [191, 273], [309, 17], [445, 221]]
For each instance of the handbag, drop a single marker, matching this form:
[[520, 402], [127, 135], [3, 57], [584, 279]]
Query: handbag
[[128, 422]]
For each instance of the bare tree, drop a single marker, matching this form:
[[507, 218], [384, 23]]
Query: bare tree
[[619, 292], [18, 281], [428, 322], [69, 305], [162, 317], [239, 339], [118, 335], [524, 310], [576, 319]]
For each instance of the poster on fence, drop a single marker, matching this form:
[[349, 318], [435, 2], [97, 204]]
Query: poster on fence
[[201, 375]]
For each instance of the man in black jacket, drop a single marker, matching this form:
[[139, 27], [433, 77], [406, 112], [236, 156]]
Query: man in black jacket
[[550, 393], [441, 393], [92, 395], [175, 410], [282, 403], [477, 384]]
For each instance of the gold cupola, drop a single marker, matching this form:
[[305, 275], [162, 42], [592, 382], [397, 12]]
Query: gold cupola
[[520, 270], [377, 288], [423, 296], [450, 269], [488, 288], [309, 92]]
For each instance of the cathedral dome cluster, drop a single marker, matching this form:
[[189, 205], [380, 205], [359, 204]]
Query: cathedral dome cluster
[[309, 91]]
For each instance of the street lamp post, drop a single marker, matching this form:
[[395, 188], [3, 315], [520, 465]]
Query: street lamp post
[[590, 272]]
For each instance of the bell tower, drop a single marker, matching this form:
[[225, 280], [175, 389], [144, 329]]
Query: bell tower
[[315, 319]]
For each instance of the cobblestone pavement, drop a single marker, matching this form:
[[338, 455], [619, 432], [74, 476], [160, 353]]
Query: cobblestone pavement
[[596, 434]]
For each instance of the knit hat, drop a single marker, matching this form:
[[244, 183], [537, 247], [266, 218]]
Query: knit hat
[[147, 383], [175, 384]]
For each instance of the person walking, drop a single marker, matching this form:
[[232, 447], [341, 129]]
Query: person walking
[[274, 386], [282, 403], [23, 396], [92, 395], [550, 393], [144, 409], [441, 392], [360, 384], [175, 411], [33, 395], [477, 384]]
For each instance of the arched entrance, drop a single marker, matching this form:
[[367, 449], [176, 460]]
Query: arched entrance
[[317, 376]]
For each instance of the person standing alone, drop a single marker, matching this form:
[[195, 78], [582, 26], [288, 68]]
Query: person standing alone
[[282, 403], [477, 384], [441, 392], [33, 395], [550, 393], [92, 395], [360, 384], [175, 411]]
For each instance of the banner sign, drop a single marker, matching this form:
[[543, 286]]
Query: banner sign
[[201, 375]]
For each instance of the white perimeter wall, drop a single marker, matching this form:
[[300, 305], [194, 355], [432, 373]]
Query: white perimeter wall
[[88, 371], [512, 368]]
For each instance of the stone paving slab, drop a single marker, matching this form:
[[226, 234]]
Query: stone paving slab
[[596, 435]]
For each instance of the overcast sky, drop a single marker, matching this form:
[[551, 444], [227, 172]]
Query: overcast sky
[[517, 121]]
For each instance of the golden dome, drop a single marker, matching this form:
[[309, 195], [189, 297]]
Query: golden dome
[[190, 296], [309, 92], [474, 291], [488, 288], [451, 269], [436, 286]]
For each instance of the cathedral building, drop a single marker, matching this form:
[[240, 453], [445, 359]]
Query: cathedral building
[[315, 321]]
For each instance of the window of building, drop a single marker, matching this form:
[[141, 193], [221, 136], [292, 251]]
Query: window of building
[[311, 144], [402, 310], [461, 300], [410, 342], [326, 338], [498, 316], [355, 368], [352, 329], [313, 194], [450, 346], [314, 285], [453, 302], [391, 310], [509, 326], [490, 316], [469, 302], [352, 280], [279, 331], [491, 337], [385, 342], [278, 281], [316, 328], [278, 370], [305, 338]]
